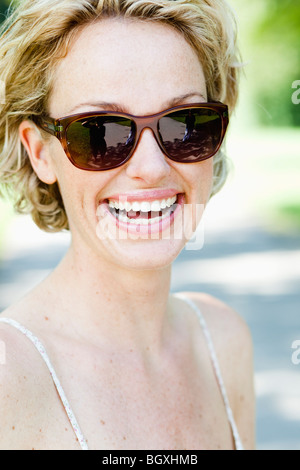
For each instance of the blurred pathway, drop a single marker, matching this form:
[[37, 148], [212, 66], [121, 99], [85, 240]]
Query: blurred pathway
[[256, 273]]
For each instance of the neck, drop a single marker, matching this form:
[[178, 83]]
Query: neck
[[114, 305]]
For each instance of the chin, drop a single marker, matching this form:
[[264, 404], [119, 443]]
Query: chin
[[144, 255]]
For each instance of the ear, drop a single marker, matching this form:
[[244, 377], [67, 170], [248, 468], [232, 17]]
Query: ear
[[38, 152]]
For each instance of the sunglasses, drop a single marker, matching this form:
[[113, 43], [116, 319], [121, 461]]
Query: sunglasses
[[106, 140]]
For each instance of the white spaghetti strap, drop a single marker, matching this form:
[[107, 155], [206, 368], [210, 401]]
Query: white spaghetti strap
[[237, 439], [38, 345]]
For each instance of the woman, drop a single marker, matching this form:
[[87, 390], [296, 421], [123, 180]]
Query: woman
[[134, 367]]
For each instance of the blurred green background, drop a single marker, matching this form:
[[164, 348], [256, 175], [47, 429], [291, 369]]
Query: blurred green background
[[267, 127], [264, 141]]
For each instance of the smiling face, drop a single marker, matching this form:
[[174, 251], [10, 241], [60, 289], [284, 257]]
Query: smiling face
[[140, 68]]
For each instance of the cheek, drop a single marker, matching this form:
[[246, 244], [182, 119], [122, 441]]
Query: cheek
[[79, 189], [201, 179], [72, 182]]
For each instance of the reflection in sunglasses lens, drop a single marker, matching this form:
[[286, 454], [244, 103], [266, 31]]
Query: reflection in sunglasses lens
[[100, 142], [191, 135]]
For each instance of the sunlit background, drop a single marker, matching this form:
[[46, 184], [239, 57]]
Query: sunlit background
[[251, 254]]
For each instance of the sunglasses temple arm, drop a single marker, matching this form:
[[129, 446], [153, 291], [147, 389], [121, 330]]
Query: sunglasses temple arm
[[51, 127]]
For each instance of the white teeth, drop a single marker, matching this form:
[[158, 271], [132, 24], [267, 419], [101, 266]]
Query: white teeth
[[163, 204], [142, 206], [124, 218], [135, 206], [155, 206], [145, 207], [127, 206]]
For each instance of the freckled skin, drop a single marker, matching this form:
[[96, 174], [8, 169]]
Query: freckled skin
[[133, 362]]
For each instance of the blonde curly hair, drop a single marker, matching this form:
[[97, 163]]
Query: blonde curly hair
[[38, 33]]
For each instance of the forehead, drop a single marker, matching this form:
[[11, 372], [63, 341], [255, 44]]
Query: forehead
[[137, 64]]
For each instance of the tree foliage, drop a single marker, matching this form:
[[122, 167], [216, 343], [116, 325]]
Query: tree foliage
[[270, 30], [4, 4], [279, 30]]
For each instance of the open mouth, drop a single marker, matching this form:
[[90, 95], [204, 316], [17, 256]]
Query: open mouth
[[143, 212]]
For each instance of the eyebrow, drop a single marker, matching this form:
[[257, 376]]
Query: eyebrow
[[180, 99], [105, 105]]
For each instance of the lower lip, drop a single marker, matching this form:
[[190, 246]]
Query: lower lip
[[152, 228]]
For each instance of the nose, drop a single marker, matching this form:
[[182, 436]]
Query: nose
[[148, 163]]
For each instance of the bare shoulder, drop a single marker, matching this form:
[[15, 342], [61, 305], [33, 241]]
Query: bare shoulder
[[223, 321], [19, 353], [230, 333], [21, 383], [233, 343]]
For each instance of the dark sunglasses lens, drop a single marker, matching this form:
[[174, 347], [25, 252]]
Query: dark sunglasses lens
[[191, 135], [100, 142]]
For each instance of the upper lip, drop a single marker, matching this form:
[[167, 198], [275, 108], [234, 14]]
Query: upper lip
[[149, 195]]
